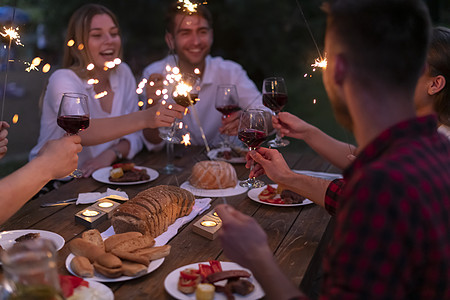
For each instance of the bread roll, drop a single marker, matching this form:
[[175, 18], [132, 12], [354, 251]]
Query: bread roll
[[81, 247], [213, 175], [94, 237], [116, 239], [133, 269], [108, 272], [109, 260], [82, 266], [152, 211], [141, 259], [154, 253]]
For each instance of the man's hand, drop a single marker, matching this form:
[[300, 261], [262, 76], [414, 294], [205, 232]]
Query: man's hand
[[3, 140], [60, 156], [243, 240], [290, 125], [230, 123], [269, 162]]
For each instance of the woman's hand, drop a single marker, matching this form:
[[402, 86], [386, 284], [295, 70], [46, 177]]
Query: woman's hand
[[163, 115], [3, 140], [230, 123]]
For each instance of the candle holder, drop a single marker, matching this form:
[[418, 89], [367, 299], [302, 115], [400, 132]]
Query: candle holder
[[106, 205], [90, 217], [208, 226]]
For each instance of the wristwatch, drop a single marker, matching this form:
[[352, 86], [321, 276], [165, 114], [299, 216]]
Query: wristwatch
[[119, 155]]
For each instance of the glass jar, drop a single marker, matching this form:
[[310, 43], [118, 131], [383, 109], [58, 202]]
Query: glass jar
[[30, 271]]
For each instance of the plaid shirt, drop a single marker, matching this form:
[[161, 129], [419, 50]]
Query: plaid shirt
[[392, 236]]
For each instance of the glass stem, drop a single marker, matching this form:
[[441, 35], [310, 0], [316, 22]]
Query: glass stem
[[169, 154]]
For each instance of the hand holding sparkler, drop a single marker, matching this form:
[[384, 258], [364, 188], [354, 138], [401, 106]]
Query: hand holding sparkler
[[3, 140]]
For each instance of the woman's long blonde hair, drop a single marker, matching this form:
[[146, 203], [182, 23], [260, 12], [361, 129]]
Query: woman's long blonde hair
[[77, 57]]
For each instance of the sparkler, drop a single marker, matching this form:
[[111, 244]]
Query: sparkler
[[189, 6]]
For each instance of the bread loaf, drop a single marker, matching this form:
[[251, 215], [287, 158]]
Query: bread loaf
[[82, 266], [94, 237], [116, 239], [152, 211], [81, 247], [210, 174]]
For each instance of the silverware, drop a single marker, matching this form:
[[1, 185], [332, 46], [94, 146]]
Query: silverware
[[73, 200], [58, 203]]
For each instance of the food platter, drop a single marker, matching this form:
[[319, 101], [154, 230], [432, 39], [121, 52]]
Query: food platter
[[214, 154], [171, 283], [253, 194], [102, 175], [155, 264], [7, 238], [237, 190]]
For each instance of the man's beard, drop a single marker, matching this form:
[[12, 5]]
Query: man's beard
[[341, 113]]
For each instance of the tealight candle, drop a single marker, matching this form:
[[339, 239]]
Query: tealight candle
[[90, 213], [105, 204], [208, 223]]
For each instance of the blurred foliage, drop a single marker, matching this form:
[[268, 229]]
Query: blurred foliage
[[266, 37]]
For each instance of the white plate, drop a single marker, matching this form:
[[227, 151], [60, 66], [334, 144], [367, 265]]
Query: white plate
[[237, 190], [234, 160], [171, 283], [102, 175], [7, 238], [324, 175], [253, 194], [97, 291], [98, 277]]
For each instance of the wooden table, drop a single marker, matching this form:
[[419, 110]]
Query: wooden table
[[294, 233]]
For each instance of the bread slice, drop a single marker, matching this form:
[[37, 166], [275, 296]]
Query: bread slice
[[116, 239], [133, 244], [93, 236]]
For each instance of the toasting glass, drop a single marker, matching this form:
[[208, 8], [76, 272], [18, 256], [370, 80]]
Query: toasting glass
[[275, 97], [73, 117], [252, 131], [227, 102]]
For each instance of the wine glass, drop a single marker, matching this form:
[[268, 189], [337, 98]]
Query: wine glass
[[252, 131], [73, 116], [227, 102], [275, 97]]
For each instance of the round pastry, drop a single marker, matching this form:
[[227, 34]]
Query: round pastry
[[213, 175]]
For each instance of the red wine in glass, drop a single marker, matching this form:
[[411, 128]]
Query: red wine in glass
[[275, 97], [73, 124], [227, 102], [183, 100], [275, 101], [73, 116], [252, 131], [252, 138], [227, 110]]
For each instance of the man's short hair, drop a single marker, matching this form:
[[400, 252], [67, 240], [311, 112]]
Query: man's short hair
[[438, 60], [385, 40], [177, 8]]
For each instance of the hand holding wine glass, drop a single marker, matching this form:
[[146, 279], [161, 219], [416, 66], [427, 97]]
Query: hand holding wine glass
[[73, 117], [227, 102], [275, 97], [252, 132]]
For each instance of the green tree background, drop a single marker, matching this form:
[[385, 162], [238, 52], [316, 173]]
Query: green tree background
[[266, 37]]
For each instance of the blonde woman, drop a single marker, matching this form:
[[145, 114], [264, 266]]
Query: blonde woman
[[93, 51]]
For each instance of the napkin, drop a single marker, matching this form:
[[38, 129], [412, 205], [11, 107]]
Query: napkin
[[88, 198], [200, 206]]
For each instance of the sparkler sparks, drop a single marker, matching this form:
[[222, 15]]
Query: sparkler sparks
[[12, 34], [320, 63], [186, 139], [189, 6], [15, 119]]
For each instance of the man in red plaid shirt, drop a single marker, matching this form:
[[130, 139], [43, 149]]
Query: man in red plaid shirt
[[392, 235]]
